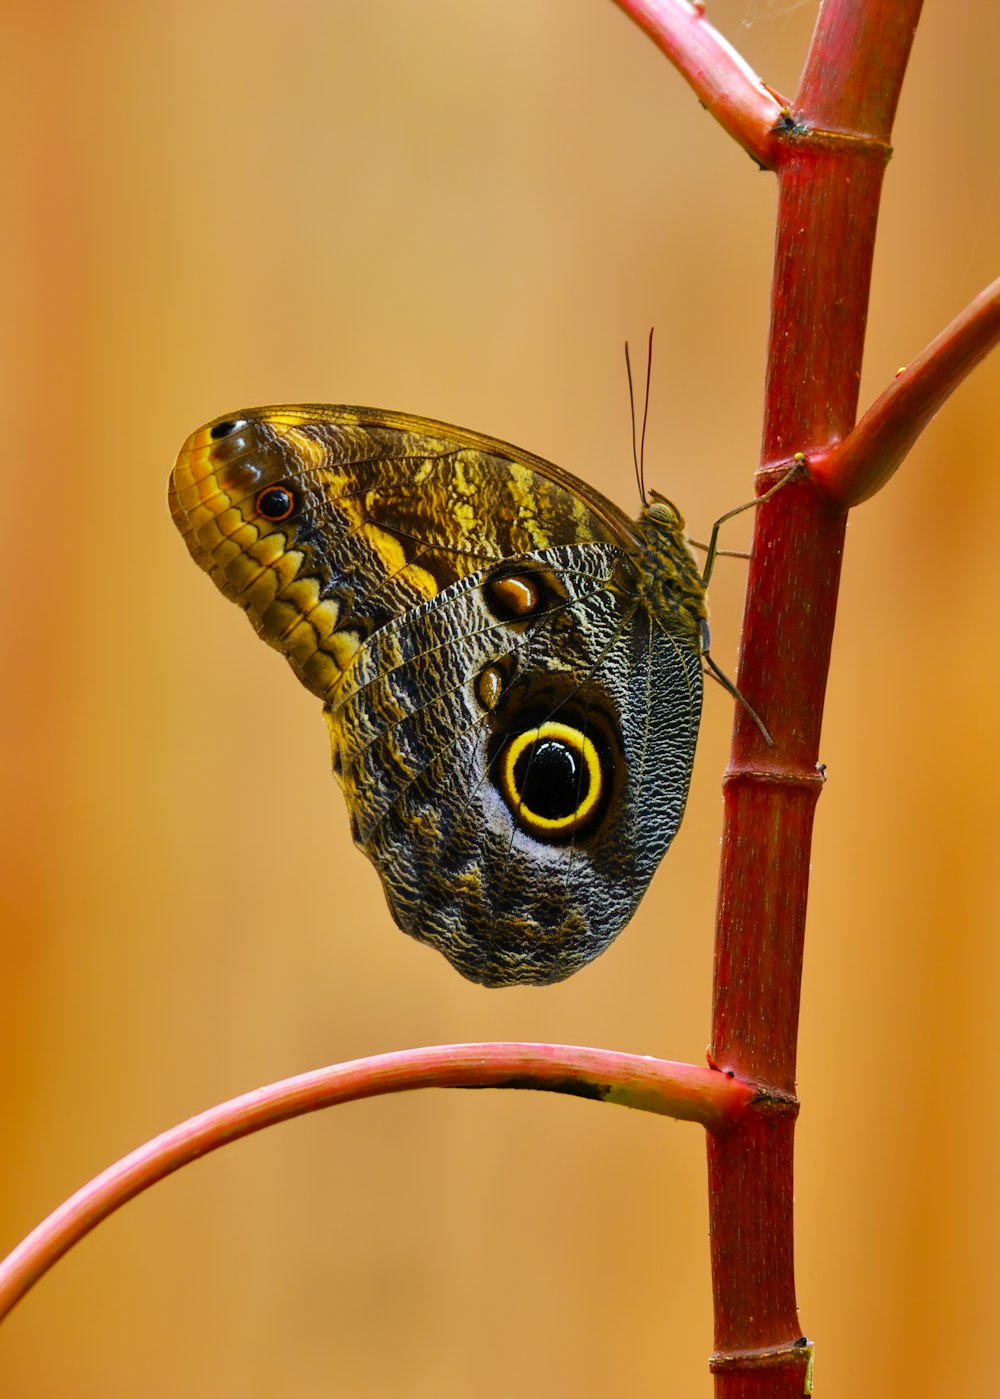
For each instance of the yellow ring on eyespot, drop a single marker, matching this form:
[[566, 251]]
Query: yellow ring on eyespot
[[581, 745]]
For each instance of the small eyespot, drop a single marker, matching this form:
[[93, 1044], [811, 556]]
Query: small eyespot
[[489, 686], [512, 596], [225, 428], [275, 503]]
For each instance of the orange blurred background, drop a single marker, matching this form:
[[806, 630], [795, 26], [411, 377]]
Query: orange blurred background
[[460, 210]]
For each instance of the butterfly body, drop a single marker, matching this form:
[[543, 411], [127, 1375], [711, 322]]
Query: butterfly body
[[510, 668]]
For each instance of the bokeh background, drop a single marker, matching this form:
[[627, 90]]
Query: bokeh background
[[460, 209]]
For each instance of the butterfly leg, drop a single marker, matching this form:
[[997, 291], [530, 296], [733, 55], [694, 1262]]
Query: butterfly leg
[[712, 552], [720, 675]]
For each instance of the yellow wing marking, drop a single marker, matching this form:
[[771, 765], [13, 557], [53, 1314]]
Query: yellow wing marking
[[389, 550]]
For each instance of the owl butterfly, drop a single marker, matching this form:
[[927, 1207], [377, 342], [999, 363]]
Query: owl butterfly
[[510, 667]]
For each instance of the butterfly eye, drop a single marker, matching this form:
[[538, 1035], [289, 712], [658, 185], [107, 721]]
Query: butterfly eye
[[275, 503], [552, 779]]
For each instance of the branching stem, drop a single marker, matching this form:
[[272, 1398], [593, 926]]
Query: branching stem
[[863, 462], [722, 79], [828, 147]]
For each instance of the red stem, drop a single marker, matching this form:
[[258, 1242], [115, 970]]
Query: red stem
[[862, 463], [829, 151], [631, 1080], [722, 79], [829, 182]]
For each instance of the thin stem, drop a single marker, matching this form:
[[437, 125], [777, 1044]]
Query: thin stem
[[863, 462], [722, 79], [631, 1080]]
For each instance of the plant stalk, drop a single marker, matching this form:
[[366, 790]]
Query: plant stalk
[[831, 156]]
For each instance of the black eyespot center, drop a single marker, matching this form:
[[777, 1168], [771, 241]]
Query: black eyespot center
[[275, 503], [224, 428], [551, 779]]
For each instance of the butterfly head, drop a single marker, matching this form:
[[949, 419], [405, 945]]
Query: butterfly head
[[664, 512], [671, 579]]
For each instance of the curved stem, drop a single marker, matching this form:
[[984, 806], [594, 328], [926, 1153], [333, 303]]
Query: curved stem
[[631, 1080], [862, 463], [722, 79]]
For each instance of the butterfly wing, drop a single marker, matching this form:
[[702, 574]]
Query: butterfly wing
[[385, 512], [512, 707], [517, 779]]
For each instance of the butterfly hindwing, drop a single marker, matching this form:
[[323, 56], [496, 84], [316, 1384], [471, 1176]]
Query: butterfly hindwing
[[423, 730]]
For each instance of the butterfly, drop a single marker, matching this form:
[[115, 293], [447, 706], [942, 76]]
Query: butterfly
[[510, 667]]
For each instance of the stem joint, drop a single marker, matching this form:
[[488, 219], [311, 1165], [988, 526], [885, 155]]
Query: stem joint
[[789, 1355]]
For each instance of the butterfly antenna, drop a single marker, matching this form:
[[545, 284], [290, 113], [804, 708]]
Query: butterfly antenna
[[645, 419], [631, 408]]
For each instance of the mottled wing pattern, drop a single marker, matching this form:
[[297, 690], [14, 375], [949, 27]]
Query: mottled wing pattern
[[420, 743], [510, 668]]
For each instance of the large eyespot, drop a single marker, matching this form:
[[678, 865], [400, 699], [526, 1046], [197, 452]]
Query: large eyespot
[[275, 503], [552, 779]]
